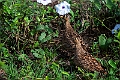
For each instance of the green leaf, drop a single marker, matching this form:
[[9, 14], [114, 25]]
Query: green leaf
[[40, 27], [109, 40], [49, 30], [36, 44], [109, 4], [117, 41], [112, 77], [22, 57], [81, 70], [42, 52], [47, 38], [2, 0], [55, 64], [55, 34], [38, 19], [72, 13], [46, 78], [1, 64], [111, 71], [112, 64], [37, 55], [42, 36], [65, 73], [118, 35], [97, 4], [102, 40], [91, 0], [1, 45], [32, 32]]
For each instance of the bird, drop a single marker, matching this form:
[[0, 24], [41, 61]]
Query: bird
[[82, 57], [85, 59]]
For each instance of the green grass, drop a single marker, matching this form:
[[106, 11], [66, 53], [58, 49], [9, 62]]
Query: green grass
[[27, 49]]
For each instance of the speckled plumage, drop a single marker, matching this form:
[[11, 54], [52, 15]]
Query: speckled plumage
[[82, 57]]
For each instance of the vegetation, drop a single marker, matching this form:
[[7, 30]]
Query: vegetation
[[28, 46]]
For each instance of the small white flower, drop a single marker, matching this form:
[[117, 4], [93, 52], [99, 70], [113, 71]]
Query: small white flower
[[44, 2], [63, 8]]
